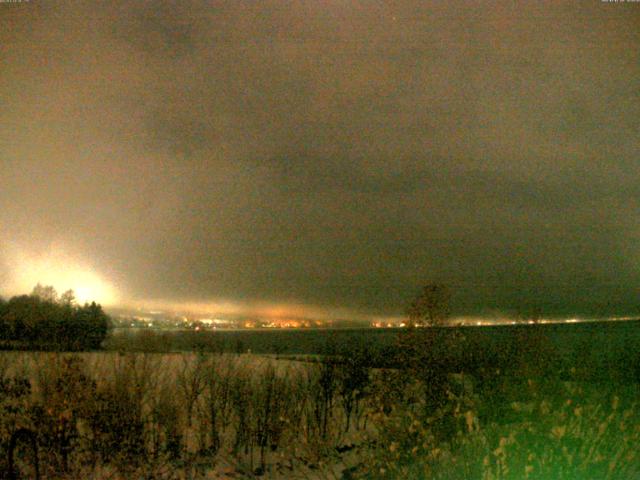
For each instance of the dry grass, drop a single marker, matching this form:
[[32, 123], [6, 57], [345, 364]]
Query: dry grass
[[171, 416]]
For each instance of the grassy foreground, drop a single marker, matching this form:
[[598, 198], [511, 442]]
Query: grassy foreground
[[508, 414]]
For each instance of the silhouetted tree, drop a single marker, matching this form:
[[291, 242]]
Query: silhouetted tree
[[431, 307], [46, 293], [38, 321], [91, 324], [420, 349], [68, 298], [4, 326]]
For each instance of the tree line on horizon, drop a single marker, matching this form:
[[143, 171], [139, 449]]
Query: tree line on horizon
[[44, 320]]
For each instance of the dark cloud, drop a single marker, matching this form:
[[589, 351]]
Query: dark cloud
[[328, 153]]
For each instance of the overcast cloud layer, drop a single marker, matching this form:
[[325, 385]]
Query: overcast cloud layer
[[331, 153]]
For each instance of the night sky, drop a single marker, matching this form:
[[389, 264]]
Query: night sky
[[323, 158]]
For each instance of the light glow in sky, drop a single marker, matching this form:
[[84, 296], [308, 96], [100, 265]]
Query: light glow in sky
[[56, 268], [289, 157]]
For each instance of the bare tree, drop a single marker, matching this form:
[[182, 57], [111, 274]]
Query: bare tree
[[46, 293], [431, 307], [68, 298], [420, 349], [191, 381]]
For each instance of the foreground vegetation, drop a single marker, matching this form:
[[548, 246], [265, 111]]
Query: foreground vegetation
[[500, 415]]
